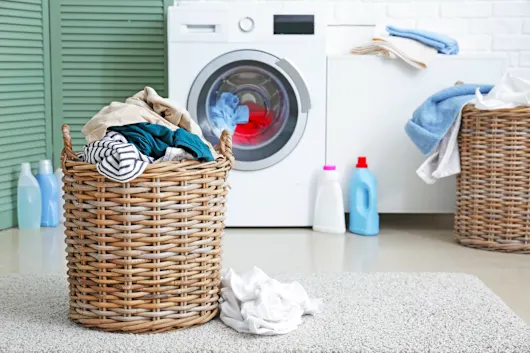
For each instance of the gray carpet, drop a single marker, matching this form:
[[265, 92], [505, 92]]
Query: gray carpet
[[372, 313]]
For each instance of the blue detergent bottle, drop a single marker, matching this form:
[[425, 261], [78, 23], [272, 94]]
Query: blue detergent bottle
[[49, 194], [29, 202], [364, 219]]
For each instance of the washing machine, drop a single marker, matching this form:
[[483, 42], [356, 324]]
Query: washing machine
[[272, 56]]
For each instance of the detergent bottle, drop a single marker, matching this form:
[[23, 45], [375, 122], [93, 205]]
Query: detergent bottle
[[49, 194], [329, 204], [28, 199], [364, 219]]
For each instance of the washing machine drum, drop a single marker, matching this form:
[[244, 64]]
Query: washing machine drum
[[274, 94]]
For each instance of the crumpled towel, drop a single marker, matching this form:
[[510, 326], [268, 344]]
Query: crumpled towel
[[441, 42], [227, 113], [510, 92], [431, 121], [445, 161], [414, 53], [255, 303]]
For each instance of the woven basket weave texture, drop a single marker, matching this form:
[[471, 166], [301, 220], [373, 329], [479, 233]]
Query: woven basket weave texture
[[145, 256], [493, 188]]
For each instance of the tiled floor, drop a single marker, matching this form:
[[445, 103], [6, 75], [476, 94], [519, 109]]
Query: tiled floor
[[410, 246]]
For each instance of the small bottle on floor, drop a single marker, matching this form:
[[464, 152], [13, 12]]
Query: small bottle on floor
[[329, 204], [364, 219], [29, 199], [49, 194]]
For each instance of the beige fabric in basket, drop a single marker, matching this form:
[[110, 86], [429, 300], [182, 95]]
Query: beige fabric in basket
[[145, 106]]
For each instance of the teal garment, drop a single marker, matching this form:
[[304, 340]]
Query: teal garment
[[152, 140]]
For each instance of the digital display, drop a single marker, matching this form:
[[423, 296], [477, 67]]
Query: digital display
[[294, 24]]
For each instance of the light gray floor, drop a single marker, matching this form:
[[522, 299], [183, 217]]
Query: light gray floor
[[406, 244], [362, 313]]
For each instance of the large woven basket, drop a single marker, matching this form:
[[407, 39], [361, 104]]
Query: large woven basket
[[493, 188], [144, 256]]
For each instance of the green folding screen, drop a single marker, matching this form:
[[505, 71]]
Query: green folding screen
[[60, 62], [103, 50], [25, 119]]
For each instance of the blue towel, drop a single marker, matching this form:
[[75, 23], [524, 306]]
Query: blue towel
[[226, 113], [441, 42], [431, 121]]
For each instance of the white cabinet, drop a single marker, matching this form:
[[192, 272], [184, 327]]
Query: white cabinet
[[369, 101]]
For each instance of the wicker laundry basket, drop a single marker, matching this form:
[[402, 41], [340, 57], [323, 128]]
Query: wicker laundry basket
[[144, 256], [493, 189]]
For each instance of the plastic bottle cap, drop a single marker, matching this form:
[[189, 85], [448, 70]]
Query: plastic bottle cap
[[25, 168], [330, 167], [361, 163], [45, 167]]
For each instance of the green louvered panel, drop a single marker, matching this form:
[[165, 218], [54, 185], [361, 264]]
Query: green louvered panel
[[25, 118], [103, 51]]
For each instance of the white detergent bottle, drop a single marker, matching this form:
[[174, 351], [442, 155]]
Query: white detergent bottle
[[59, 176], [329, 205], [28, 199]]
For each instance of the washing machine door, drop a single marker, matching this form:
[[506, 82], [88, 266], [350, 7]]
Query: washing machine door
[[275, 94]]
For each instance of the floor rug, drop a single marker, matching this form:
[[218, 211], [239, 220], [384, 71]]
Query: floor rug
[[363, 313]]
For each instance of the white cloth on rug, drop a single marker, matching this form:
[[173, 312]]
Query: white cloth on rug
[[510, 92], [414, 53], [115, 158], [445, 161], [255, 303]]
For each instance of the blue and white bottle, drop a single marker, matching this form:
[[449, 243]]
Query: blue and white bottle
[[29, 204], [364, 219], [49, 193]]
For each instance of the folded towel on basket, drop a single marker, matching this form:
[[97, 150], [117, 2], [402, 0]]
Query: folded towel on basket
[[441, 42]]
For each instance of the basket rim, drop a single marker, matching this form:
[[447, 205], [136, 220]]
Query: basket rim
[[470, 107], [224, 149]]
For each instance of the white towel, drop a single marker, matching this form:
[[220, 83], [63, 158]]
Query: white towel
[[445, 161], [255, 303], [511, 92], [414, 53]]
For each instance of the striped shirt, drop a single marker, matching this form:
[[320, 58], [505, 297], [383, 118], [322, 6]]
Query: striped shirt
[[115, 157]]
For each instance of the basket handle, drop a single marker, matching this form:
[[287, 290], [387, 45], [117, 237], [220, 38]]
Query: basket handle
[[67, 152], [225, 146]]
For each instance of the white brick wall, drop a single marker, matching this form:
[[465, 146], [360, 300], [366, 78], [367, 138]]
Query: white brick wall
[[479, 25]]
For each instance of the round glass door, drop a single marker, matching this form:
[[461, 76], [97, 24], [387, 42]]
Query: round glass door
[[275, 118]]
